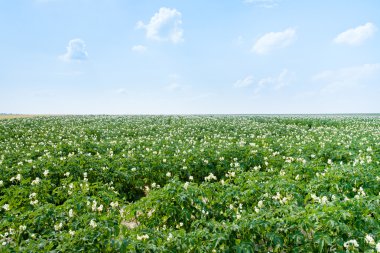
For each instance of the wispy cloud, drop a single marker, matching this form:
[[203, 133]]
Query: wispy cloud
[[274, 82], [356, 36], [175, 83], [75, 51], [173, 86], [346, 78], [239, 40], [121, 91], [274, 40], [139, 48], [263, 3], [283, 79], [245, 82], [165, 25]]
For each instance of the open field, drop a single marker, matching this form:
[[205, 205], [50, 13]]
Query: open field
[[190, 184], [13, 116]]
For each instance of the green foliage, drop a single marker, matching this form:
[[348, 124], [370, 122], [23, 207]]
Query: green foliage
[[190, 184]]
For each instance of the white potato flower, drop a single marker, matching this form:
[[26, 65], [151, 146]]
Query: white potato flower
[[32, 195], [210, 177], [6, 207], [93, 224], [58, 227], [93, 207], [378, 247], [36, 181], [142, 237], [114, 204], [34, 202], [351, 244], [369, 239]]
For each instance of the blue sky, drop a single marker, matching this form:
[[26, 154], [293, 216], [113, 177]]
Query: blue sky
[[183, 57]]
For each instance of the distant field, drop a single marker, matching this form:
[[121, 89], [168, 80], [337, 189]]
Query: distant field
[[12, 116]]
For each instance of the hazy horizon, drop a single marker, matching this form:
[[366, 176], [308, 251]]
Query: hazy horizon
[[179, 57]]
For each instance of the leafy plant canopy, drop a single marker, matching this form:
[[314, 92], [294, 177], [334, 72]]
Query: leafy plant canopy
[[190, 184]]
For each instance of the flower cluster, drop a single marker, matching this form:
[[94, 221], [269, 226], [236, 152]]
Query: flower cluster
[[210, 177], [33, 199], [142, 237], [351, 244]]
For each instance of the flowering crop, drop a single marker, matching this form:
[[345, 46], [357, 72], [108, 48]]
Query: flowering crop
[[190, 184]]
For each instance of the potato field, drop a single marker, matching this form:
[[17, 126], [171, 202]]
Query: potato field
[[190, 183]]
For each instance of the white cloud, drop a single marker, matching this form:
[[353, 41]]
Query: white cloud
[[165, 25], [139, 48], [76, 51], [356, 36], [276, 82], [247, 81], [274, 40], [345, 78], [263, 3]]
